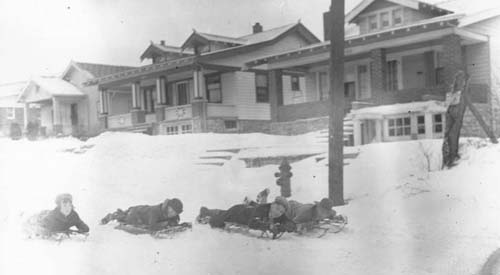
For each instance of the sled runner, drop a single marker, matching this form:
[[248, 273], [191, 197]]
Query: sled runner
[[334, 226], [165, 233]]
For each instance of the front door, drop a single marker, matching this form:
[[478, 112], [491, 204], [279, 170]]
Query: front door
[[74, 114], [182, 93]]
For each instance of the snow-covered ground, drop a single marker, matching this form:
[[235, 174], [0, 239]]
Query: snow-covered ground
[[402, 218]]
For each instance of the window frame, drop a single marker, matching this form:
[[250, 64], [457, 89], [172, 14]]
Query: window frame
[[231, 121], [402, 129], [259, 97], [438, 124], [392, 80], [11, 112], [421, 125], [295, 83], [217, 81]]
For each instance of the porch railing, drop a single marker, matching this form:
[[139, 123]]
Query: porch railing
[[178, 112], [120, 121], [220, 110]]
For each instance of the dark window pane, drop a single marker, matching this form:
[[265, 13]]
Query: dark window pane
[[391, 132], [438, 118], [406, 121], [399, 131], [421, 129], [391, 122], [420, 120], [399, 122], [438, 128], [407, 131]]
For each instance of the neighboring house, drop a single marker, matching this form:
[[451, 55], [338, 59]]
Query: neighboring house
[[199, 86], [67, 106], [10, 110], [401, 61]]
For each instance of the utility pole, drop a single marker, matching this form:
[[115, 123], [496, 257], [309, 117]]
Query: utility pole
[[336, 115]]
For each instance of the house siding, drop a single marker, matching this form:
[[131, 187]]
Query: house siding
[[487, 66], [6, 122], [247, 108]]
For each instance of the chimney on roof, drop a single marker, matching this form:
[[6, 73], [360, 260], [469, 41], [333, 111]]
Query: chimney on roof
[[162, 42], [257, 27]]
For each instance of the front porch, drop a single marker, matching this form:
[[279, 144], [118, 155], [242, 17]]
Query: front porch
[[181, 99]]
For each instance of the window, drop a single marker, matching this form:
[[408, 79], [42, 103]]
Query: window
[[11, 113], [392, 75], [261, 88], [372, 22], [172, 130], [295, 82], [186, 129], [439, 68], [230, 124], [363, 82], [420, 124], [397, 17], [149, 97], [323, 86], [399, 127], [349, 90], [214, 91], [438, 123], [384, 20]]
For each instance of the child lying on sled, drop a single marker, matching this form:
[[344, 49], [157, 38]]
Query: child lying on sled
[[150, 217]]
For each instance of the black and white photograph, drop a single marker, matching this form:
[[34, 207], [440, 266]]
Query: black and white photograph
[[249, 137]]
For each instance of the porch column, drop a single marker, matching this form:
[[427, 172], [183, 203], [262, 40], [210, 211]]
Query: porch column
[[161, 95], [275, 92], [378, 130], [26, 114], [413, 126], [357, 132], [429, 133], [199, 84], [57, 122], [452, 57], [138, 115], [378, 68], [103, 102]]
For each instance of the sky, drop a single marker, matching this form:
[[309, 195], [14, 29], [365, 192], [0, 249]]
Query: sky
[[42, 37]]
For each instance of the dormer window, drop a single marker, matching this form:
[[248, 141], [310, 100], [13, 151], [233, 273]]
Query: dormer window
[[384, 20], [372, 22], [397, 17]]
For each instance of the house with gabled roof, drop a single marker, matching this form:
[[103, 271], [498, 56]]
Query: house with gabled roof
[[67, 107], [11, 111], [398, 66], [198, 86]]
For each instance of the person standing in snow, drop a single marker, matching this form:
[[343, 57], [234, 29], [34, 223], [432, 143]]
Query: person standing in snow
[[305, 215], [256, 217], [63, 217], [151, 217]]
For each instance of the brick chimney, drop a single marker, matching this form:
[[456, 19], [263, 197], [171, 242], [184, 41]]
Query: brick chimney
[[257, 27], [327, 25]]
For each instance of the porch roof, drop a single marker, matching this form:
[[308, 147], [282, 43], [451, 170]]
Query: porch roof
[[45, 88], [424, 30], [379, 112]]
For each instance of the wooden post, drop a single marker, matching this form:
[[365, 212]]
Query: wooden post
[[336, 115]]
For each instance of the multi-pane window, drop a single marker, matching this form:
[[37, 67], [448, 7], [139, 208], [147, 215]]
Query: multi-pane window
[[439, 68], [392, 75], [182, 93], [420, 125], [214, 91], [397, 17], [149, 99], [437, 121], [372, 22], [186, 129], [11, 113], [230, 124], [295, 82], [399, 126], [261, 89], [384, 20], [172, 130]]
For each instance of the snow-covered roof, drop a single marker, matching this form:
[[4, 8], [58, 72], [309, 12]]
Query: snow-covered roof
[[99, 70], [10, 102], [14, 88], [378, 112], [57, 86]]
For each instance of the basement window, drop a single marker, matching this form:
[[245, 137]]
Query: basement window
[[186, 129], [438, 123], [230, 124], [399, 127], [172, 130]]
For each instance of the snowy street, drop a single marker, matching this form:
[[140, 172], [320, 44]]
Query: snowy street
[[403, 219]]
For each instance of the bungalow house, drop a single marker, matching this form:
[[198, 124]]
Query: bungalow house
[[199, 86], [67, 106], [398, 67], [10, 110]]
